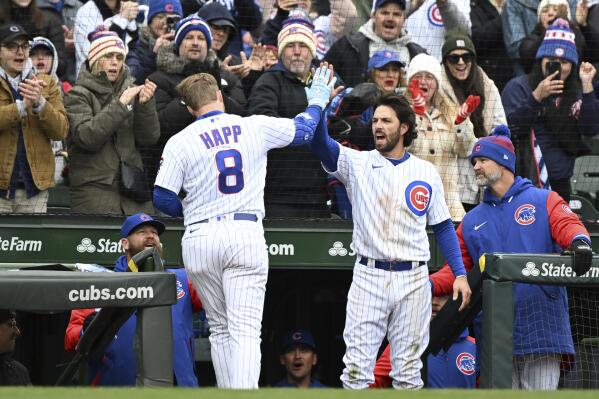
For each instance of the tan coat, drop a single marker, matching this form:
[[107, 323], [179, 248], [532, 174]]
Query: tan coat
[[38, 129], [441, 143], [493, 115]]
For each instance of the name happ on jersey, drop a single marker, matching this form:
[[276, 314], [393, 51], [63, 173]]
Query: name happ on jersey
[[220, 136]]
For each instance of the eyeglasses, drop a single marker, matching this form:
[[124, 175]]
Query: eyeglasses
[[13, 47], [455, 58]]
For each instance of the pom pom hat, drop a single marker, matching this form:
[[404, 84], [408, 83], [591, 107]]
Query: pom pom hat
[[497, 147], [559, 42], [103, 42]]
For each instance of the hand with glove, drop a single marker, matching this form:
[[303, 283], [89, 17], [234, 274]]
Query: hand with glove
[[322, 85], [582, 256], [418, 102], [469, 106]]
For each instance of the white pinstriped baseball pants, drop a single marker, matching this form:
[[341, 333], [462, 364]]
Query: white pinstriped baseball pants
[[536, 371], [227, 262], [381, 302]]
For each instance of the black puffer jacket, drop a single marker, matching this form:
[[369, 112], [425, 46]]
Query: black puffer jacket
[[294, 177], [12, 372], [487, 36], [173, 115]]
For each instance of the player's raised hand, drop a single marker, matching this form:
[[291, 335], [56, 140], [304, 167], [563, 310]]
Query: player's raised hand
[[460, 285], [322, 85], [418, 101], [469, 106]]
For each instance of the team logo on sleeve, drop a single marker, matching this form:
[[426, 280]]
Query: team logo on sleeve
[[465, 363], [418, 196], [567, 209], [525, 214], [180, 290]]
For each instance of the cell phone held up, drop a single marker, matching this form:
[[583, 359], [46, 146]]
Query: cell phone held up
[[552, 67], [171, 23]]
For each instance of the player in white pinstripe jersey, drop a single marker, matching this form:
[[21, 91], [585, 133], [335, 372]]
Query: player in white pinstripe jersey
[[219, 161], [394, 195]]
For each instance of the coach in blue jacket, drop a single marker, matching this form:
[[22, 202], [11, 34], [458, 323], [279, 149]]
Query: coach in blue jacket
[[516, 217], [117, 366]]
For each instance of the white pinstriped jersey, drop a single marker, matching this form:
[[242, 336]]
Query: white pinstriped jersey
[[220, 162], [391, 204]]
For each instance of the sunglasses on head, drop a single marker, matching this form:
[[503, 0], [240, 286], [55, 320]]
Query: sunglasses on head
[[455, 58]]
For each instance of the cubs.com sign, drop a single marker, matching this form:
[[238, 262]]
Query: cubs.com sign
[[547, 269]]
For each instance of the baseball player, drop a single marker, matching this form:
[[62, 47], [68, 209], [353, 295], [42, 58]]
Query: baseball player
[[454, 368], [219, 161], [394, 195], [517, 217]]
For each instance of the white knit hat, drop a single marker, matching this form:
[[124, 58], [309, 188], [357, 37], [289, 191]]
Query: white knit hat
[[297, 32], [424, 63], [545, 3]]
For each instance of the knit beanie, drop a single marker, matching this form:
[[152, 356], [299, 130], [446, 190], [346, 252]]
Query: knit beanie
[[559, 42], [188, 24], [424, 63], [545, 3], [498, 147], [164, 6], [103, 42], [297, 30], [457, 39]]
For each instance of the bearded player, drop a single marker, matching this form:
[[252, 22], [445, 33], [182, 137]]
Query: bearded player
[[394, 196]]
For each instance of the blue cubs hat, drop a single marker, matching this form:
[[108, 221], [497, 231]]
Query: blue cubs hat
[[134, 221], [164, 6], [382, 58], [379, 3], [498, 147], [298, 337]]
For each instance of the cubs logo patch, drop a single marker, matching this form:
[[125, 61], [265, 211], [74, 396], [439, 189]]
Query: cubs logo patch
[[525, 214], [465, 363], [434, 16], [567, 209], [169, 7], [418, 195], [180, 290]]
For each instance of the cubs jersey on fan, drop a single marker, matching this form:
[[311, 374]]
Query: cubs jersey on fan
[[212, 159], [412, 188]]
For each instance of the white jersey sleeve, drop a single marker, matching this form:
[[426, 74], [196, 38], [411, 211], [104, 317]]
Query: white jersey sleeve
[[276, 132], [172, 169], [438, 210], [348, 162]]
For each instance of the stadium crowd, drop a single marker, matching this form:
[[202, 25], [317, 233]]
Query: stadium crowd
[[91, 105], [88, 96]]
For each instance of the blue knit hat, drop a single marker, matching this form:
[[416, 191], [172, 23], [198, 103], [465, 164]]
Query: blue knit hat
[[165, 6], [498, 147], [559, 42], [188, 24]]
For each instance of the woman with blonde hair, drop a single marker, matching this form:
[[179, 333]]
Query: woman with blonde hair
[[110, 118]]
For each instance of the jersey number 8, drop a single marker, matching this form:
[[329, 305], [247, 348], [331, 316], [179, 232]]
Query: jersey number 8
[[230, 178]]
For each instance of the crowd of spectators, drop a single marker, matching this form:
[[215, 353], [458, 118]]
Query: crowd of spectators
[[89, 100]]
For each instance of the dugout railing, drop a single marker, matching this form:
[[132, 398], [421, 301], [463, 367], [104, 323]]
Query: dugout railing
[[500, 272], [149, 293]]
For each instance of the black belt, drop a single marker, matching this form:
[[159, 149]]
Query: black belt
[[392, 266], [236, 216]]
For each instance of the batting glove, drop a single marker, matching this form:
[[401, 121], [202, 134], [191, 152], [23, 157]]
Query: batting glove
[[469, 106], [320, 90], [418, 102], [582, 256]]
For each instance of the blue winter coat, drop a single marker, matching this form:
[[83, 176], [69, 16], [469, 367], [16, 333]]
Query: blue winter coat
[[118, 367], [519, 223]]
